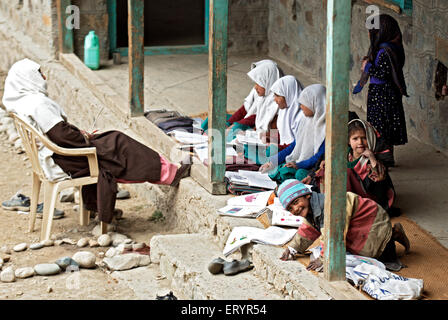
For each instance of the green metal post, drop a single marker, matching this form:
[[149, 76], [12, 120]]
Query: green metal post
[[112, 11], [65, 34], [219, 10], [338, 67], [136, 56]]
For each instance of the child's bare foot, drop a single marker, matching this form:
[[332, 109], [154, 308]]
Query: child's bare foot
[[399, 235]]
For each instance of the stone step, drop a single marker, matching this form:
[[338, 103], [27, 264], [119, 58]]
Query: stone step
[[295, 282], [183, 260], [192, 209]]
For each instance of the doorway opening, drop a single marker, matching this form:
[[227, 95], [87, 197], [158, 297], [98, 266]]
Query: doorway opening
[[169, 24]]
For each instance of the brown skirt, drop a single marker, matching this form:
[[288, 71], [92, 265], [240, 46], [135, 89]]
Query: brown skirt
[[119, 158]]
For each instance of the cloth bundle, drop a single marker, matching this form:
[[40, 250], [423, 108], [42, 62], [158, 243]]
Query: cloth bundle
[[371, 275], [170, 120]]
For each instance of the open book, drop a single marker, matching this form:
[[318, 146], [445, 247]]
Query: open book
[[241, 211], [251, 178], [201, 150], [253, 199], [188, 138], [249, 137], [282, 217], [243, 235], [246, 206]]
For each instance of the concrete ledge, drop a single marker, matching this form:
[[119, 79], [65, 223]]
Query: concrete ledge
[[184, 258], [153, 134], [291, 278], [192, 209]]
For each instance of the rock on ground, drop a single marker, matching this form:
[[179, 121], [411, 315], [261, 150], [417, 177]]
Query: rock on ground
[[47, 269], [85, 259], [7, 275], [23, 273]]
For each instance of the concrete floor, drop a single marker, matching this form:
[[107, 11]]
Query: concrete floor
[[180, 82]]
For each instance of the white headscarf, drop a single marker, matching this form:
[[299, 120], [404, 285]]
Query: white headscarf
[[264, 73], [311, 131], [26, 95], [289, 118]]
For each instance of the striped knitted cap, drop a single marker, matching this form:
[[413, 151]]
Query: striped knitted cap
[[290, 190]]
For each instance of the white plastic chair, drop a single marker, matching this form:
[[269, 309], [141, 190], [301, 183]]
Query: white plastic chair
[[30, 137]]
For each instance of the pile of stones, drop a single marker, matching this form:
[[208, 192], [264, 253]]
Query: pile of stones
[[122, 255]]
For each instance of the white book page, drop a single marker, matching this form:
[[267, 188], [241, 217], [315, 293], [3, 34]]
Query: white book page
[[243, 235], [282, 217], [258, 179], [189, 138], [253, 199], [240, 211], [274, 236], [238, 237]]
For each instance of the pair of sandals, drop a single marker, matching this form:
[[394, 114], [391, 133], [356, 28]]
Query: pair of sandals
[[229, 268]]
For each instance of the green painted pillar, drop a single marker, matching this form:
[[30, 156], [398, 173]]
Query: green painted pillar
[[338, 68], [112, 12], [136, 56], [65, 34], [219, 10]]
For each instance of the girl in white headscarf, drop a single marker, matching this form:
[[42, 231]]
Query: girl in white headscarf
[[286, 92], [259, 107], [120, 158], [309, 142]]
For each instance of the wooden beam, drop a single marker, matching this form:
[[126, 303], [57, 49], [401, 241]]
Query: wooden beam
[[218, 38], [338, 67], [136, 56], [65, 37]]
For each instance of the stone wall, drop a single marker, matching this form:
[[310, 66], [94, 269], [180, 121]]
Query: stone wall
[[297, 35], [35, 21], [93, 16], [248, 26], [248, 21]]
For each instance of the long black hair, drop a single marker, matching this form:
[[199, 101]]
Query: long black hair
[[389, 32]]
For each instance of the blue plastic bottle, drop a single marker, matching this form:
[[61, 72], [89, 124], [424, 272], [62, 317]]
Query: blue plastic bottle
[[92, 51]]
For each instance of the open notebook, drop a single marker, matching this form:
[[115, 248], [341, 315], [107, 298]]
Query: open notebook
[[252, 179], [240, 236]]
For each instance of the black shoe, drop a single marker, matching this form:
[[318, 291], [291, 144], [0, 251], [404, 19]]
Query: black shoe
[[216, 265], [182, 172], [169, 296], [235, 266]]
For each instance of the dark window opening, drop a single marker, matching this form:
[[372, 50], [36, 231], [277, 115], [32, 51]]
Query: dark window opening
[[167, 22], [440, 81]]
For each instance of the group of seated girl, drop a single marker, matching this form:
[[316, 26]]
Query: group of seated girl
[[290, 119], [296, 156]]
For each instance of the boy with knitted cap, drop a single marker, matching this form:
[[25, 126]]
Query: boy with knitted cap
[[368, 231]]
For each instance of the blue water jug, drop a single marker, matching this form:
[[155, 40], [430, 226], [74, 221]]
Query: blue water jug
[[92, 51]]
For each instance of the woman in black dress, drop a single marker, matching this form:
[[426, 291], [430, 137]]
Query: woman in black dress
[[384, 66]]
